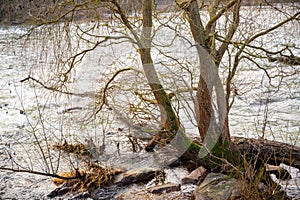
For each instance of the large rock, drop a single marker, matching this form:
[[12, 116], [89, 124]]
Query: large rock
[[136, 175], [217, 186]]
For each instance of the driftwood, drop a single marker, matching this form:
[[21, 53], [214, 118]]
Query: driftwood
[[271, 152]]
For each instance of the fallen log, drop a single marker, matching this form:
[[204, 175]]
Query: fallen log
[[271, 152], [268, 152]]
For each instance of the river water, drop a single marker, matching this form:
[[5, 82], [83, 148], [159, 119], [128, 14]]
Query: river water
[[32, 118]]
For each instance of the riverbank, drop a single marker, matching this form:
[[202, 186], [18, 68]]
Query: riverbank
[[153, 181]]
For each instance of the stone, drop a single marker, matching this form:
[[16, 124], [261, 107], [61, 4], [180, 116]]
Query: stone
[[84, 195], [136, 195], [217, 186], [194, 176], [142, 194], [136, 175], [174, 175], [263, 188], [60, 191], [165, 188], [279, 172]]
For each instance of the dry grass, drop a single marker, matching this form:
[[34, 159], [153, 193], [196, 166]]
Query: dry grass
[[78, 148]]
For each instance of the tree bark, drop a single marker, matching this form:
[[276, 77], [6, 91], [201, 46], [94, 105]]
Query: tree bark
[[169, 120], [213, 121], [209, 76], [271, 152]]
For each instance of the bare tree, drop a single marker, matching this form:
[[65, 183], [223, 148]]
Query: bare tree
[[215, 32]]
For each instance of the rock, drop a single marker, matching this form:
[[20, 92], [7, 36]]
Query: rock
[[84, 195], [190, 165], [66, 192], [279, 172], [136, 195], [194, 176], [107, 192], [140, 194], [136, 175], [174, 175], [165, 188], [60, 191], [263, 188], [217, 186]]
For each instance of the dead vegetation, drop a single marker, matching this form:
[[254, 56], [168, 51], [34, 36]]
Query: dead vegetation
[[77, 148], [92, 175]]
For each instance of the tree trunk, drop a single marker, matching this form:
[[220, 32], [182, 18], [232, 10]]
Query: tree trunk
[[203, 107], [208, 79], [211, 111], [169, 120]]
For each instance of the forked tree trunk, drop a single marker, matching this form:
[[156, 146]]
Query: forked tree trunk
[[209, 77], [225, 152], [212, 119]]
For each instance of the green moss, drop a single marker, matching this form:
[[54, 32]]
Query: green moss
[[224, 157], [194, 147]]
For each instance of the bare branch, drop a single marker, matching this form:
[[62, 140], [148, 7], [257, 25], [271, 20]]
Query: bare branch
[[38, 173], [251, 39], [103, 99], [218, 15], [127, 22], [197, 28], [55, 89], [232, 29], [82, 54]]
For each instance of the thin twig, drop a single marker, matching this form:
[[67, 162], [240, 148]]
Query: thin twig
[[37, 173]]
